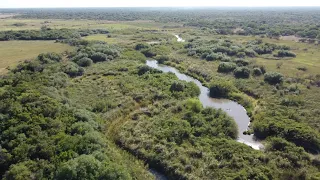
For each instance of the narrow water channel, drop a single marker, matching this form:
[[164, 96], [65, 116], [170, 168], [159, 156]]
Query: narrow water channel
[[233, 109]]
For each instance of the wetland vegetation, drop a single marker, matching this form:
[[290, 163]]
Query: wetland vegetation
[[79, 102]]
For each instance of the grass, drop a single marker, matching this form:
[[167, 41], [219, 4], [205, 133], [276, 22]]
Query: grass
[[12, 52], [32, 24], [101, 37]]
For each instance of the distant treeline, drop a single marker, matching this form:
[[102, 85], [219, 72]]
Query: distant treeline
[[302, 22], [48, 34]]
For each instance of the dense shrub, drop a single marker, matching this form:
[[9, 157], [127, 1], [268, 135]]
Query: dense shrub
[[72, 69], [226, 67], [212, 57], [79, 56], [273, 77], [141, 46], [242, 62], [242, 72], [99, 57], [144, 69], [292, 101], [285, 53], [257, 72], [85, 62], [162, 59], [194, 104], [49, 57], [88, 167], [220, 89], [178, 86], [299, 134], [148, 52]]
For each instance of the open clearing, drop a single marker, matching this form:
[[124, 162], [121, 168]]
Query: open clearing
[[34, 24], [12, 52]]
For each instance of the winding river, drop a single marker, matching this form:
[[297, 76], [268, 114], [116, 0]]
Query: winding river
[[233, 109]]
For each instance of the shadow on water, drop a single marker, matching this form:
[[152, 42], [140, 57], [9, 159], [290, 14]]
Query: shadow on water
[[158, 175]]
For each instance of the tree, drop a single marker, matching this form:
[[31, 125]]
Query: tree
[[80, 168], [19, 172]]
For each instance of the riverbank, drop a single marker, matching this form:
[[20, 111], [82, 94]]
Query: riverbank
[[233, 109]]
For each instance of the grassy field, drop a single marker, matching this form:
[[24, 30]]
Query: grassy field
[[12, 52], [10, 24], [101, 37]]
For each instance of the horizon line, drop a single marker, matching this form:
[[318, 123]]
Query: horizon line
[[58, 7]]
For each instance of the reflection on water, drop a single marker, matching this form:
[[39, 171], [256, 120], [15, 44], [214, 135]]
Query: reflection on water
[[232, 108], [158, 175], [179, 39]]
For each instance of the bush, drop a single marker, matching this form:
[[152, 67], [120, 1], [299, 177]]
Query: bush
[[257, 72], [162, 59], [88, 167], [177, 86], [144, 69], [285, 53], [292, 101], [226, 67], [242, 62], [142, 46], [148, 52], [241, 54], [99, 57], [242, 72], [85, 62], [220, 89], [263, 69], [49, 57], [250, 53], [302, 68], [194, 105], [212, 57], [273, 78], [79, 56], [73, 70]]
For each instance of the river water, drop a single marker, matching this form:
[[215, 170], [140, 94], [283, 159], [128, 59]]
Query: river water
[[233, 109], [179, 39]]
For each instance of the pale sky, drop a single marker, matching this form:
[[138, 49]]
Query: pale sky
[[152, 3]]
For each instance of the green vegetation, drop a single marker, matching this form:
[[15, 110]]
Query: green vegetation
[[87, 106], [13, 52]]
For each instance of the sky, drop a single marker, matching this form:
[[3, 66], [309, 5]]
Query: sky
[[153, 3]]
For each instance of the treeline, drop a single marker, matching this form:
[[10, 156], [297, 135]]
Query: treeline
[[302, 22], [227, 50], [48, 34]]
